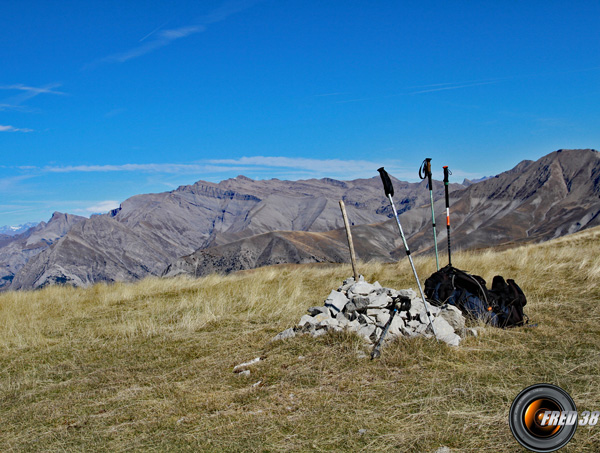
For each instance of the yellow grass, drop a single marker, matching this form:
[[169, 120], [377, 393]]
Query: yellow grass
[[149, 366]]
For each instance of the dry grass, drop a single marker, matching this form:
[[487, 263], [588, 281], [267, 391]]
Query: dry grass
[[148, 366]]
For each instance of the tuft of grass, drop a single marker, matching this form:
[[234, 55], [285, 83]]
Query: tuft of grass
[[149, 366]]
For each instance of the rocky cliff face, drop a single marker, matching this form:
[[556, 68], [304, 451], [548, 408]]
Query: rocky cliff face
[[16, 251]]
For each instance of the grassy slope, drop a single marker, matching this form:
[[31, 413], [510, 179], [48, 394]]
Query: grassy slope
[[148, 366]]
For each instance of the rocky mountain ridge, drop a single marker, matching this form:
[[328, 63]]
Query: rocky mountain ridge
[[535, 201], [17, 250], [148, 232], [241, 223]]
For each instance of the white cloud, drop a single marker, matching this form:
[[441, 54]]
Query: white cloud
[[347, 169], [143, 168], [36, 90], [26, 93], [13, 129], [257, 167], [103, 206], [160, 38]]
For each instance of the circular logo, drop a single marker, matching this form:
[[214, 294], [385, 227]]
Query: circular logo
[[536, 415]]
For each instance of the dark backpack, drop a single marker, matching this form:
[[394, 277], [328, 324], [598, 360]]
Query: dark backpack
[[509, 300], [500, 307]]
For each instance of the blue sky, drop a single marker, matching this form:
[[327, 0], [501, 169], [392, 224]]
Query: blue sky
[[102, 100]]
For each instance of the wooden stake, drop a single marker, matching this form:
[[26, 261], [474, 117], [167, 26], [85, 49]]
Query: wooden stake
[[349, 236]]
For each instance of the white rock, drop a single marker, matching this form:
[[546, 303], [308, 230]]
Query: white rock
[[416, 307], [306, 319], [245, 364], [375, 335], [410, 293], [287, 333], [407, 331], [341, 319], [379, 300], [318, 333], [354, 325], [364, 319], [366, 331], [453, 316], [329, 322], [383, 318], [396, 326], [320, 317], [360, 302], [361, 288], [376, 311], [336, 301], [442, 328], [314, 311], [451, 339], [347, 284]]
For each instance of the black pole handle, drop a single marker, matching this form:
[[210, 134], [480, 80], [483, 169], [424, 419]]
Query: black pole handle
[[446, 173], [425, 170], [387, 182]]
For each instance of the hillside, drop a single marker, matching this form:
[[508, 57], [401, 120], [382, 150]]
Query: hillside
[[148, 366]]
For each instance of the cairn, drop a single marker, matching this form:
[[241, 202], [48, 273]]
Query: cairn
[[365, 308]]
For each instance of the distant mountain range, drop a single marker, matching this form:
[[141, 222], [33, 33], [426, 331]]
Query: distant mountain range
[[535, 201], [16, 250], [241, 223], [14, 230]]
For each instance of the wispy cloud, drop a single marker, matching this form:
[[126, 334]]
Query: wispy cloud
[[300, 163], [327, 94], [13, 129], [16, 108], [161, 39], [11, 184], [26, 93], [143, 168], [422, 89], [158, 37], [453, 87], [257, 167], [33, 90], [103, 206], [114, 112]]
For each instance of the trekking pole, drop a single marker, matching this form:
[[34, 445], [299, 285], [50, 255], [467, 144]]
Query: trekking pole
[[446, 173], [425, 172], [389, 191], [399, 305], [376, 352]]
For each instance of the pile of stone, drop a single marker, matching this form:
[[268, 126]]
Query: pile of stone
[[365, 308]]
